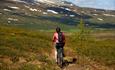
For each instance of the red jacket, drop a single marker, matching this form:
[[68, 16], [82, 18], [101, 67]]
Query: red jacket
[[55, 37]]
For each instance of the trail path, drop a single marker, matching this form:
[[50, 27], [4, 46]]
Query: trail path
[[72, 61], [75, 62]]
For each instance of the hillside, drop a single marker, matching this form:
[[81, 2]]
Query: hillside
[[67, 16], [19, 49], [32, 50], [27, 26]]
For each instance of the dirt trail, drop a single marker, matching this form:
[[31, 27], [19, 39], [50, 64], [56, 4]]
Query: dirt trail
[[86, 66], [72, 61], [75, 62]]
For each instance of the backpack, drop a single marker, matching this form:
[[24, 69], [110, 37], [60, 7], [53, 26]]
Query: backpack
[[60, 37]]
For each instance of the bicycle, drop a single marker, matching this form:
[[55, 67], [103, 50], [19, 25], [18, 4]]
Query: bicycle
[[60, 57]]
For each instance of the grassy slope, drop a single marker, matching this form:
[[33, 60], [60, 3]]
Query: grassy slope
[[17, 45], [32, 20], [99, 46], [27, 50]]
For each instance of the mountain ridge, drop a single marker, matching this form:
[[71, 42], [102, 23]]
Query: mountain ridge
[[68, 15]]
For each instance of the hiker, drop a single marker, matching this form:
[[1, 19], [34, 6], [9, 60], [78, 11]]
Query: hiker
[[58, 41]]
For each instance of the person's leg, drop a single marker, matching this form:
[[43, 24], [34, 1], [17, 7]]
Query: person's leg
[[63, 51], [56, 54], [56, 51]]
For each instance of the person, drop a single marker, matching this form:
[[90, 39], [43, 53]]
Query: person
[[58, 41]]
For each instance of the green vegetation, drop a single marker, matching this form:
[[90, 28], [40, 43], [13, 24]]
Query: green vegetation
[[35, 20], [29, 50], [22, 49], [26, 37], [97, 45]]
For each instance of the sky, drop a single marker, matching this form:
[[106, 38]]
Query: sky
[[101, 4]]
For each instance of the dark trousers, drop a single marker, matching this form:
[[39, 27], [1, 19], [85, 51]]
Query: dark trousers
[[60, 45]]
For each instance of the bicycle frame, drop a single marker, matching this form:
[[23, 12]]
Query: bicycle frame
[[60, 57]]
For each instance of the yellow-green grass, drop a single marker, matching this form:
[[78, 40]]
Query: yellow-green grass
[[16, 43], [22, 40], [30, 45], [99, 46]]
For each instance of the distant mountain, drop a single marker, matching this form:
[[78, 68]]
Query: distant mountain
[[40, 12]]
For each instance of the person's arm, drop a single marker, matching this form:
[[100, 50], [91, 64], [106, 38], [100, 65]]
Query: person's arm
[[53, 40]]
